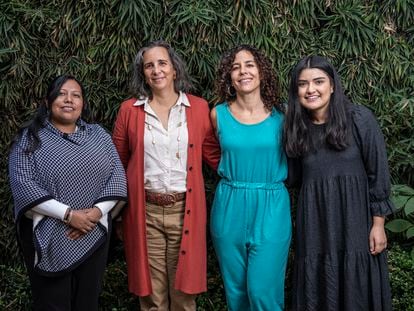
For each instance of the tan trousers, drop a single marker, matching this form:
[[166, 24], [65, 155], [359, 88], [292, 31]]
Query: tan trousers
[[164, 230]]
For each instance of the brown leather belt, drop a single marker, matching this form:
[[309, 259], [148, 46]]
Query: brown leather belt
[[164, 199]]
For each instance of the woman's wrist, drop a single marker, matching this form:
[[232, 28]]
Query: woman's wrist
[[378, 221], [68, 216], [100, 211]]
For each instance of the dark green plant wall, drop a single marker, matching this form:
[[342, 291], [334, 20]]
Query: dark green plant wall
[[370, 42]]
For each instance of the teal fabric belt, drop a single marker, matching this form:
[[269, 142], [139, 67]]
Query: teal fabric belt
[[253, 185]]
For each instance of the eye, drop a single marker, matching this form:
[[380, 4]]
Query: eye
[[319, 82], [301, 84], [148, 66]]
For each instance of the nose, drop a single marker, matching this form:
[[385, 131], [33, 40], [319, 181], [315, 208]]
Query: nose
[[68, 97], [243, 69], [156, 69], [311, 88]]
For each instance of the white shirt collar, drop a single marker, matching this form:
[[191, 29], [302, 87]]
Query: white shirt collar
[[182, 100]]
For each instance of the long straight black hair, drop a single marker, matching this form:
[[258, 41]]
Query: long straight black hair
[[34, 125], [297, 140]]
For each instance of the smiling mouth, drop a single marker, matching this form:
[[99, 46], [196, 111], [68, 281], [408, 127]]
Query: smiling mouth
[[157, 79], [68, 109], [312, 98]]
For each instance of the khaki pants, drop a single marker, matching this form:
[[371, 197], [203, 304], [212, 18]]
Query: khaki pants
[[164, 230]]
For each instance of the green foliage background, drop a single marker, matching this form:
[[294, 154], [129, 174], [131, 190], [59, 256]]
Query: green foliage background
[[370, 42]]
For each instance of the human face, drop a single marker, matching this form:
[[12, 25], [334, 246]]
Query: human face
[[66, 109], [245, 75], [158, 69], [314, 92]]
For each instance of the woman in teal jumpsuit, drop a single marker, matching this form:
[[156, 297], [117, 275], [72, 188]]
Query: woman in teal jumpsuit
[[250, 219]]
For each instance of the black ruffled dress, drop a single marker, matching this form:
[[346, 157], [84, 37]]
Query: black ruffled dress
[[340, 193]]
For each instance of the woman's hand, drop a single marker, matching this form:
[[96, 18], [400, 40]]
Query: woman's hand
[[82, 220], [94, 214], [74, 234], [377, 236]]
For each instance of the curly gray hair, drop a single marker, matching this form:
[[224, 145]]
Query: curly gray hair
[[139, 88]]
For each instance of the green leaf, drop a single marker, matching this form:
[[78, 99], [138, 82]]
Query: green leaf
[[399, 201], [412, 253], [409, 206], [398, 225], [402, 190], [410, 233], [9, 50]]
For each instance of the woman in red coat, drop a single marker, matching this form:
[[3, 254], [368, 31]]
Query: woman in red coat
[[162, 135]]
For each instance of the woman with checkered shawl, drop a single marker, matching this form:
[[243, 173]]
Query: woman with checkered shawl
[[67, 182]]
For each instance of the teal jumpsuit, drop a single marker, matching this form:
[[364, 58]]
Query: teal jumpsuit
[[250, 219]]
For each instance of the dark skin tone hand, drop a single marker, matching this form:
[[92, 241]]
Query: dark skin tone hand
[[83, 221]]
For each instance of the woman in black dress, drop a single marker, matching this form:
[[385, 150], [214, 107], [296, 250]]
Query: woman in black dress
[[338, 158]]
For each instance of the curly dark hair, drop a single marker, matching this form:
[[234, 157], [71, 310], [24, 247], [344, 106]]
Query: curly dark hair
[[269, 90]]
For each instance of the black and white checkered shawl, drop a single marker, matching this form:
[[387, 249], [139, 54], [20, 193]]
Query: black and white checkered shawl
[[79, 170]]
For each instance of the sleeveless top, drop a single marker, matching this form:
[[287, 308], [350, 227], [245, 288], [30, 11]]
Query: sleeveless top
[[251, 153]]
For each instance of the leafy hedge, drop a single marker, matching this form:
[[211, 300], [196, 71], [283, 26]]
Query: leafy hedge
[[15, 290], [370, 42]]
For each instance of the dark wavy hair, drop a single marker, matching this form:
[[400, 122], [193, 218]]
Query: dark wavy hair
[[33, 126], [138, 86], [269, 90], [297, 140]]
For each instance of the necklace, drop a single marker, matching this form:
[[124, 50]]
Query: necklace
[[179, 126]]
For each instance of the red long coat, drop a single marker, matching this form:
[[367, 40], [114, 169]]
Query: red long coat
[[128, 136]]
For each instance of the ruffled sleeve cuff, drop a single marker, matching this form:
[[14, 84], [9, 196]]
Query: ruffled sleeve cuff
[[382, 208]]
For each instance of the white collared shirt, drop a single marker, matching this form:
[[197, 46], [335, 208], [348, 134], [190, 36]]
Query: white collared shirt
[[165, 150]]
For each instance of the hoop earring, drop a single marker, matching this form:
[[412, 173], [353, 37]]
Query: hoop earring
[[231, 91]]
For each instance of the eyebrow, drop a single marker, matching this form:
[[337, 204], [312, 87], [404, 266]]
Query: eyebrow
[[246, 62], [317, 78], [161, 59], [66, 90]]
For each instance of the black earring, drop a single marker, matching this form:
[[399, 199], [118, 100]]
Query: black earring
[[231, 91]]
